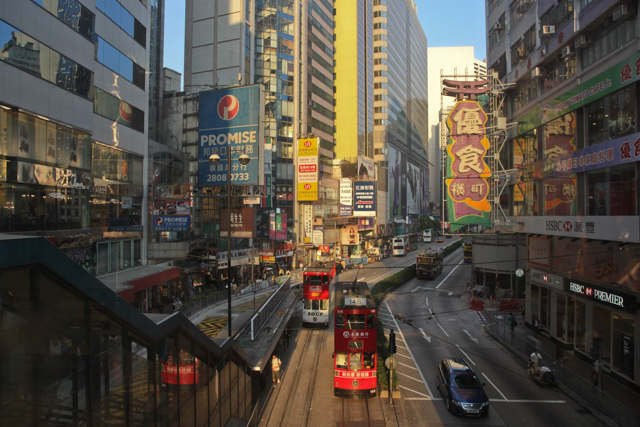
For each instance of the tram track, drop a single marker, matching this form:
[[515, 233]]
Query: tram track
[[355, 412], [297, 384]]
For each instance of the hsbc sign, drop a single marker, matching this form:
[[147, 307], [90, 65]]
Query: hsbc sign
[[612, 228], [566, 226], [547, 279], [617, 299]]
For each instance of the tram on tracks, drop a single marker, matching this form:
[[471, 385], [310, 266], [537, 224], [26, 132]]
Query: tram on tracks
[[318, 281], [355, 341]]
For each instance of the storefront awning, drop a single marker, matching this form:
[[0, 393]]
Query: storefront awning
[[126, 283]]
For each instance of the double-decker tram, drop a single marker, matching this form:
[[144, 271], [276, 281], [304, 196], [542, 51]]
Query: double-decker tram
[[429, 263], [355, 341], [317, 280]]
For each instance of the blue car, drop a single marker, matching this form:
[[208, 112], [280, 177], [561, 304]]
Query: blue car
[[462, 390]]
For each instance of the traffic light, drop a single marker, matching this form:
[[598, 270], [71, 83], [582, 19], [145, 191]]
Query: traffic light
[[392, 342]]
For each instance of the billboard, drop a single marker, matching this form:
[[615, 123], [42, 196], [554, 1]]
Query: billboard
[[242, 223], [278, 226], [397, 185], [349, 235], [466, 171], [426, 191], [366, 169], [308, 169], [364, 198], [413, 189], [346, 196], [171, 223], [230, 118]]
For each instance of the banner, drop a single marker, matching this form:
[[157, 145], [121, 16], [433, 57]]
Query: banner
[[364, 198], [467, 186], [229, 118], [308, 169], [307, 212], [278, 226], [346, 197], [242, 223], [318, 235]]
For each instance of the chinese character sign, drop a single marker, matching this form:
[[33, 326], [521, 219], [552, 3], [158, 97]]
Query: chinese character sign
[[308, 169], [242, 222], [467, 171]]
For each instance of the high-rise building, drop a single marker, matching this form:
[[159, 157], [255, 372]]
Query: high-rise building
[[381, 102], [290, 53], [447, 61], [78, 97], [571, 70]]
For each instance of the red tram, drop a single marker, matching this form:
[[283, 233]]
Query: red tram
[[355, 340], [318, 280]]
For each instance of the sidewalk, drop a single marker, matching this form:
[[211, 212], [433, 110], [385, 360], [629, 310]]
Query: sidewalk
[[617, 404]]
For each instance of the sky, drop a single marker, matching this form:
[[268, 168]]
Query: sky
[[437, 17]]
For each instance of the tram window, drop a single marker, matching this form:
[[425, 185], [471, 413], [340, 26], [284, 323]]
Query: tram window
[[307, 304], [324, 304], [355, 344], [355, 321], [368, 360], [371, 321], [340, 320], [315, 304], [355, 361], [341, 360]]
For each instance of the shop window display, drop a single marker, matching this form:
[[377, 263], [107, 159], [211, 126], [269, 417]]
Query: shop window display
[[612, 191], [611, 117]]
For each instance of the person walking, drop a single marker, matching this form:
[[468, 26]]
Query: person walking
[[534, 360], [275, 370], [536, 325], [512, 321]]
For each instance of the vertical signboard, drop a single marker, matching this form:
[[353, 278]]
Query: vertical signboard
[[318, 235], [278, 226], [308, 169], [364, 198], [397, 184], [466, 182], [346, 197], [230, 118], [307, 211]]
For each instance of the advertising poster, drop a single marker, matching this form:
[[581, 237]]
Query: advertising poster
[[318, 235], [278, 226], [242, 223], [364, 198], [346, 197], [366, 169], [308, 169], [413, 189], [229, 118], [349, 235], [171, 223], [466, 171], [397, 185], [425, 190]]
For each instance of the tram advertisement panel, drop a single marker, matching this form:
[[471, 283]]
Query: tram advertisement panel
[[315, 292]]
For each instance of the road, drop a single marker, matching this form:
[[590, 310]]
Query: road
[[440, 328]]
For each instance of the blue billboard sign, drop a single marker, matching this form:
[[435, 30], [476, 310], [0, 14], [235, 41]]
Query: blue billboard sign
[[171, 223], [364, 198], [229, 118]]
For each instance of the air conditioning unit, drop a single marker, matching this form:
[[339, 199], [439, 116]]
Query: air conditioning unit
[[548, 29], [536, 72], [581, 41], [567, 51], [621, 12], [497, 27]]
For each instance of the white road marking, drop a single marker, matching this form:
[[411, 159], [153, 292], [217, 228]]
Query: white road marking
[[410, 367], [427, 300], [418, 398], [398, 345], [494, 386], [470, 336], [411, 354], [417, 288], [527, 401], [465, 354], [416, 392], [426, 337], [450, 273], [399, 354], [411, 378], [445, 332]]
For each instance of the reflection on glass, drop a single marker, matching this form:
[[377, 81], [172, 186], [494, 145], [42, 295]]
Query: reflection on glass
[[28, 54], [117, 110], [72, 13], [612, 191]]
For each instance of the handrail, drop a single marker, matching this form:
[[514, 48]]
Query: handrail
[[264, 313]]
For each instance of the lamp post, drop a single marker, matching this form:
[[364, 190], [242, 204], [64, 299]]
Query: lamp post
[[244, 160]]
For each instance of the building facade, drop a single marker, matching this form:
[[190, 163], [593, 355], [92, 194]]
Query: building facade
[[571, 70]]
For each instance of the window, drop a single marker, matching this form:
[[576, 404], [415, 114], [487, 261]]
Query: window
[[355, 321], [34, 57], [355, 361], [612, 191], [606, 40], [371, 321], [115, 60], [123, 19], [623, 341], [117, 110], [341, 360], [611, 117], [580, 325], [559, 71], [340, 320], [72, 13]]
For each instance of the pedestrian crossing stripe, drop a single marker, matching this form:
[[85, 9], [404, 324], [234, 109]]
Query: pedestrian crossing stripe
[[212, 325]]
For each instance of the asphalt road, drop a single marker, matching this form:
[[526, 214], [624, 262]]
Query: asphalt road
[[440, 328]]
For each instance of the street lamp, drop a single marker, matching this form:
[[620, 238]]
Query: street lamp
[[244, 160]]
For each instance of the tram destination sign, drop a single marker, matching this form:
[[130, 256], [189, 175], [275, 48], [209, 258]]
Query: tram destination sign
[[357, 300]]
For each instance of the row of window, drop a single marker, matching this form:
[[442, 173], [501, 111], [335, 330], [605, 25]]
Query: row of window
[[123, 19], [72, 13], [118, 110], [117, 61], [355, 321]]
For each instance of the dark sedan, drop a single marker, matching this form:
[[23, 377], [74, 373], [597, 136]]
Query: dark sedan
[[462, 390]]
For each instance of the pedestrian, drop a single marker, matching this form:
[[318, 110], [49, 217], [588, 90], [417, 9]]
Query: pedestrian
[[595, 375], [178, 303], [512, 321], [536, 325], [275, 370], [534, 361], [560, 354]]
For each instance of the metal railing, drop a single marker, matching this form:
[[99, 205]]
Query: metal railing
[[204, 302], [267, 309], [622, 408]]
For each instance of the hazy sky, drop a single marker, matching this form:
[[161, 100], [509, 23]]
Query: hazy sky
[[446, 23]]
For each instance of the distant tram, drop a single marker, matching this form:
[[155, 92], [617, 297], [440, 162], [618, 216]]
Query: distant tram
[[318, 280], [429, 263], [355, 340]]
